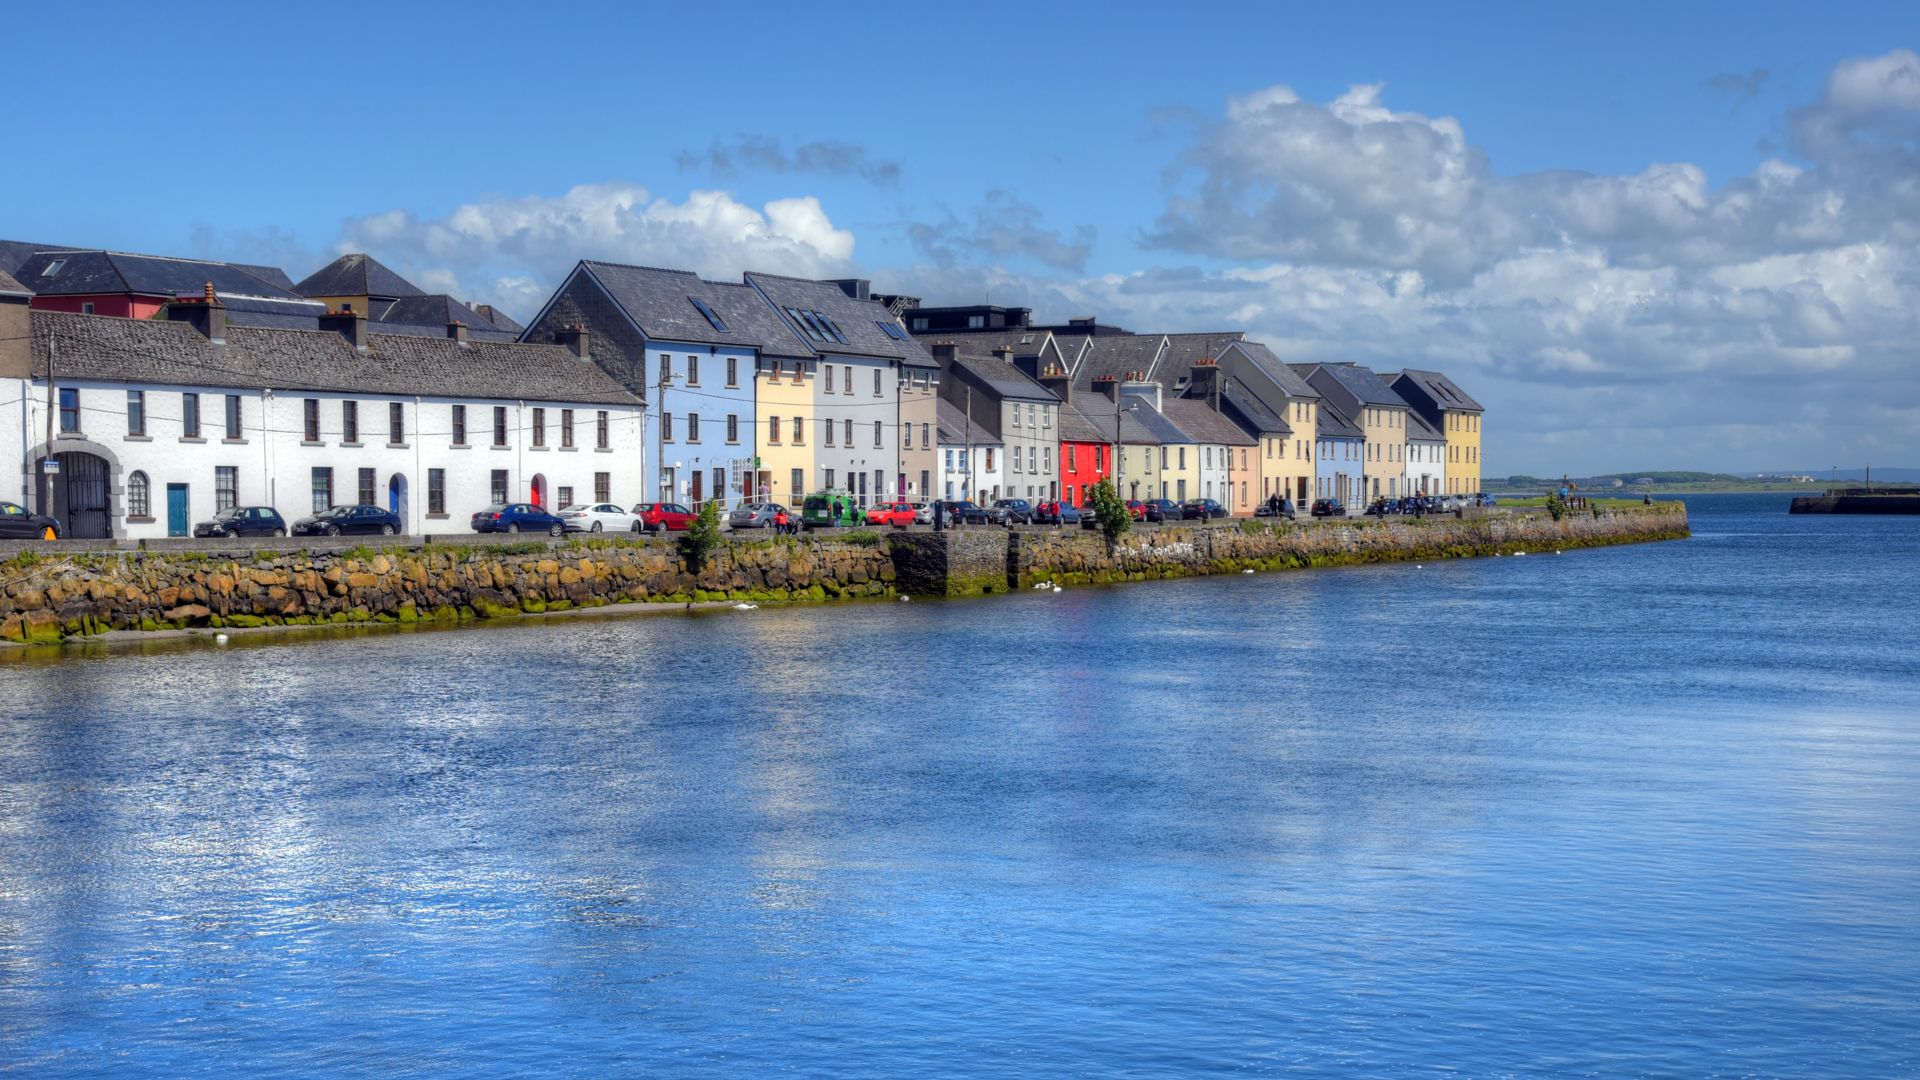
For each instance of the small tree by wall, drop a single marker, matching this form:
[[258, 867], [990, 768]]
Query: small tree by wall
[[1109, 510], [702, 537]]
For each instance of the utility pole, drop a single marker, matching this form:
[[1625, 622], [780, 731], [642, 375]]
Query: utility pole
[[46, 492], [968, 494]]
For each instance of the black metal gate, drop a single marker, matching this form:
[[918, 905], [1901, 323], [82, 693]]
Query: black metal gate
[[89, 511]]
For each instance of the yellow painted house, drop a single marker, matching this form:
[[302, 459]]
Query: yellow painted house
[[783, 404], [1442, 404]]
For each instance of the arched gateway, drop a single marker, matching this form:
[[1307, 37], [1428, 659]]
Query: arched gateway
[[81, 491]]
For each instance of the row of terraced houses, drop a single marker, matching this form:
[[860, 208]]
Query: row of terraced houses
[[141, 393]]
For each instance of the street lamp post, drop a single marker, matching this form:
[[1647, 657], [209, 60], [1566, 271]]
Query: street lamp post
[[660, 436]]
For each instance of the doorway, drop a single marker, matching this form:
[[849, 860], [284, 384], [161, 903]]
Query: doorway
[[698, 489], [538, 495], [84, 490], [397, 497], [177, 517]]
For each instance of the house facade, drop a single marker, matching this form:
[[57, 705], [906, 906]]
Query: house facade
[[159, 423], [1371, 405], [971, 458], [1292, 470], [1450, 410], [1426, 458], [1339, 459], [1018, 411]]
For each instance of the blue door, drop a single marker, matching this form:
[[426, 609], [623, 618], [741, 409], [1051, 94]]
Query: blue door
[[176, 509]]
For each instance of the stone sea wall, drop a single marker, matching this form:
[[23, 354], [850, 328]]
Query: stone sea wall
[[49, 593], [48, 596]]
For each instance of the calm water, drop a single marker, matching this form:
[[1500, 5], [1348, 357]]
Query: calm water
[[1645, 810]]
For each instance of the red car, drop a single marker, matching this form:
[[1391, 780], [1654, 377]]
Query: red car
[[660, 517], [1137, 509], [897, 514]]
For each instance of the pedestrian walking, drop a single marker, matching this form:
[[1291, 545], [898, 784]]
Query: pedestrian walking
[[780, 521]]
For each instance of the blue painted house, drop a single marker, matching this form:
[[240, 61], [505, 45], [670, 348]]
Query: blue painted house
[[688, 347], [1340, 449]]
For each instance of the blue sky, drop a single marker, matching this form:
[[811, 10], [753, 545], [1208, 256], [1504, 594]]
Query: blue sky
[[1687, 219]]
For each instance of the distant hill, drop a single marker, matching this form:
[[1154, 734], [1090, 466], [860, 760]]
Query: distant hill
[[1697, 480]]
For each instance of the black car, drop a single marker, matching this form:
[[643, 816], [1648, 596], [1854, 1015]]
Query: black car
[[964, 512], [1162, 510], [1201, 510], [244, 521], [1329, 508], [16, 523], [1275, 508], [362, 520], [1010, 512]]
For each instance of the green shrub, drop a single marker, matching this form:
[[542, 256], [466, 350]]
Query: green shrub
[[1110, 510], [702, 537], [1556, 506]]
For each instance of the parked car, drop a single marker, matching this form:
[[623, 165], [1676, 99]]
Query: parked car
[[661, 517], [1484, 499], [897, 514], [1137, 509], [362, 520], [518, 518], [244, 521], [1329, 508], [1055, 512], [1268, 509], [922, 512], [754, 515], [1162, 510], [16, 523], [1201, 509], [598, 517], [965, 512], [817, 511], [1010, 512]]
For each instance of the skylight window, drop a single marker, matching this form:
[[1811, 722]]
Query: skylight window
[[53, 267], [832, 328], [806, 324], [708, 312], [892, 330]]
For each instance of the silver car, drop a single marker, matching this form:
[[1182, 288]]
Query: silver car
[[755, 516]]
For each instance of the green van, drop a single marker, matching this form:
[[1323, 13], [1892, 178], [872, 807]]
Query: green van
[[817, 511]]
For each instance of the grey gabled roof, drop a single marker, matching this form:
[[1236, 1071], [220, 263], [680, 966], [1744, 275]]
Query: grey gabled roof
[[1444, 391], [859, 321], [660, 303], [1418, 428], [429, 316], [1116, 355], [70, 273], [11, 287], [497, 317], [955, 430], [1000, 378], [1158, 426], [356, 275], [1248, 410], [1024, 341], [1094, 416], [173, 353], [15, 253], [1202, 424], [1186, 349], [1362, 383], [1283, 376], [299, 314], [1335, 425]]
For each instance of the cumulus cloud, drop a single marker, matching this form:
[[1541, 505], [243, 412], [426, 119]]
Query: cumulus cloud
[[507, 250], [763, 153], [1003, 226]]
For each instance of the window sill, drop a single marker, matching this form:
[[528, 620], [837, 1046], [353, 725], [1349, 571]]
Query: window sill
[[733, 442], [497, 446], [311, 442], [351, 445], [569, 449], [399, 446], [233, 442], [439, 517], [540, 449], [459, 446], [138, 438], [192, 439], [131, 520], [603, 449]]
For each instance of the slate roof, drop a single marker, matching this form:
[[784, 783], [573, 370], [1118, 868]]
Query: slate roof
[[173, 353], [1335, 425], [859, 320], [954, 428], [497, 317], [1444, 391], [1095, 415], [356, 275], [103, 272], [15, 253], [1024, 341], [660, 303], [1418, 428], [1002, 379], [1361, 382], [10, 286], [1158, 426], [428, 316], [1202, 424], [297, 314], [1116, 355], [1184, 349], [1248, 411], [1271, 366]]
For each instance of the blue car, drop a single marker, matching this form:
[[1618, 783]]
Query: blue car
[[517, 518]]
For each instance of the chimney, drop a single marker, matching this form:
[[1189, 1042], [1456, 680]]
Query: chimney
[[575, 338], [1141, 387], [1204, 383], [1107, 386], [857, 288], [1003, 352], [1057, 380], [204, 313], [349, 324], [945, 352], [16, 346], [457, 330]]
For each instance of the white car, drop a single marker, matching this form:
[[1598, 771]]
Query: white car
[[922, 512], [598, 517]]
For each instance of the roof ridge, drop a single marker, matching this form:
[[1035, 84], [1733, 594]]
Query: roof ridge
[[642, 266]]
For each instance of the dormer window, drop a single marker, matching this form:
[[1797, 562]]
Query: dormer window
[[708, 312], [53, 267]]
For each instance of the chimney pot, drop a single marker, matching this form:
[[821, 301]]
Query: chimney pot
[[457, 330], [204, 313]]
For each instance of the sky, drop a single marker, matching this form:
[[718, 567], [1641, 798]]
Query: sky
[[1643, 236]]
